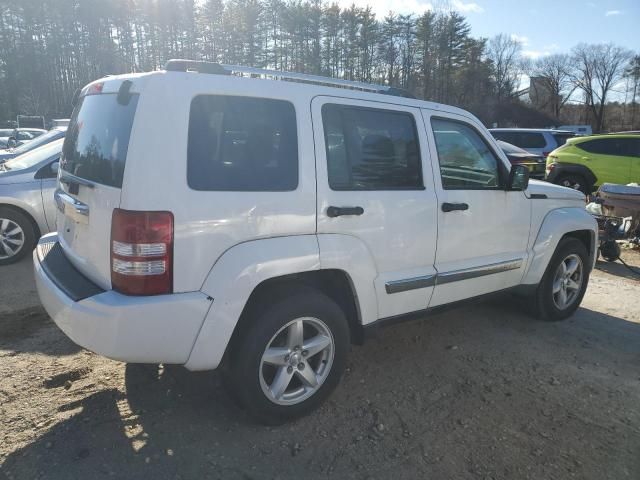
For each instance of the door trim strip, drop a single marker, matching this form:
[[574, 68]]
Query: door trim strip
[[397, 286], [474, 272]]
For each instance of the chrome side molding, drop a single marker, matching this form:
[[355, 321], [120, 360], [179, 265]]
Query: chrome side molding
[[467, 273], [397, 286]]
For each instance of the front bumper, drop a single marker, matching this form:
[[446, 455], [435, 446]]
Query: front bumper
[[151, 329]]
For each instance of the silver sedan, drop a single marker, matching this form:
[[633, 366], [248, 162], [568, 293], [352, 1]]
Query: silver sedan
[[27, 208]]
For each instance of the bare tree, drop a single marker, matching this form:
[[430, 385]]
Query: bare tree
[[632, 73], [553, 74], [504, 53], [598, 69]]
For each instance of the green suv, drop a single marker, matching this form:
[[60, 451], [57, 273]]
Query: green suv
[[584, 163]]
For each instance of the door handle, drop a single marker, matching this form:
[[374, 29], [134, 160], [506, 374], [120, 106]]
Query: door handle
[[339, 211], [450, 207]]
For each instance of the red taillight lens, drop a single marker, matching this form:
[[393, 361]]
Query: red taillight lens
[[94, 89], [142, 252]]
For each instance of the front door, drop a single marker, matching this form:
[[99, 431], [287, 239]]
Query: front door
[[483, 230], [375, 193]]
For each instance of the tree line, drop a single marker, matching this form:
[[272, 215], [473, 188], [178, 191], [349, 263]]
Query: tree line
[[49, 48]]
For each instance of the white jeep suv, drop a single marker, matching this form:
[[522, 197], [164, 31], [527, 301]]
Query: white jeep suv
[[221, 216]]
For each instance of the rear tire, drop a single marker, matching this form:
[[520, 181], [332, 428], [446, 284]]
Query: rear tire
[[290, 356], [17, 236], [564, 282], [576, 182]]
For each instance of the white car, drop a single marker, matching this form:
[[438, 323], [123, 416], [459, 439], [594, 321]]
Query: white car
[[538, 141], [221, 216]]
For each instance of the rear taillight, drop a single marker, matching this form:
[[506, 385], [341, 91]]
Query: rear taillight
[[550, 166], [544, 154], [142, 252]]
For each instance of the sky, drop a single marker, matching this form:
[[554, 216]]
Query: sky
[[544, 27]]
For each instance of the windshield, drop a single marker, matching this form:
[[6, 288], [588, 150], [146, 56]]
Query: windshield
[[38, 141], [98, 140], [34, 157]]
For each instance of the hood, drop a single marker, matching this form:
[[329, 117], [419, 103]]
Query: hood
[[553, 191], [6, 155]]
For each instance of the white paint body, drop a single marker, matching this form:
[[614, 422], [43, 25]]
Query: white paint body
[[227, 243]]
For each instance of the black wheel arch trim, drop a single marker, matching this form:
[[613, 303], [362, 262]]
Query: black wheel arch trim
[[566, 168]]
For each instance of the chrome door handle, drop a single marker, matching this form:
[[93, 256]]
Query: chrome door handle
[[450, 207], [333, 212]]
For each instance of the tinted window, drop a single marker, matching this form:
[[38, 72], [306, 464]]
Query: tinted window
[[242, 144], [97, 141], [561, 138], [628, 147], [371, 149], [522, 139], [465, 159]]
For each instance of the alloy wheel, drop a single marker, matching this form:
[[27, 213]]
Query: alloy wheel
[[297, 361], [567, 281], [11, 238]]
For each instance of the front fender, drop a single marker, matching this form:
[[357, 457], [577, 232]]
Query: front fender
[[232, 280], [555, 225]]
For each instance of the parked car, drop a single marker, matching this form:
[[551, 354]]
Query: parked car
[[263, 225], [536, 141], [577, 129], [585, 163], [519, 156], [27, 208], [50, 136], [23, 135]]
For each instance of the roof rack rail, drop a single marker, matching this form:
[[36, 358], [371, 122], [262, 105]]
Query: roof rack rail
[[178, 65]]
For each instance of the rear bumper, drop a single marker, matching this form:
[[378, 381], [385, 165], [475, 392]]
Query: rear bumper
[[153, 329]]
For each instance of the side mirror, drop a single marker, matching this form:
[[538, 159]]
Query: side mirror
[[48, 171], [518, 178]]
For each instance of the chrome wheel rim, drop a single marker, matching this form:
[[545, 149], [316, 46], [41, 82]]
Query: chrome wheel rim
[[567, 281], [11, 238], [297, 361]]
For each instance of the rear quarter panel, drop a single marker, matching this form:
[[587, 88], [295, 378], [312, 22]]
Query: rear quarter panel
[[209, 223]]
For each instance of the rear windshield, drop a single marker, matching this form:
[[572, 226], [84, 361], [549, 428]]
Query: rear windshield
[[561, 138], [97, 141]]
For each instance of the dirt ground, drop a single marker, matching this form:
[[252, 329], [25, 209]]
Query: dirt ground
[[481, 392]]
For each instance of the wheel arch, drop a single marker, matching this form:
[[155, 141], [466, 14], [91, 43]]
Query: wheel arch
[[252, 271], [572, 222], [576, 169], [36, 228]]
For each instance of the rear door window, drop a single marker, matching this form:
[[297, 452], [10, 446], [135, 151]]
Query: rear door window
[[97, 140], [242, 144], [608, 146], [371, 149], [530, 140]]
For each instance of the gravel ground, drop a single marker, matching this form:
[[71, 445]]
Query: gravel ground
[[480, 392]]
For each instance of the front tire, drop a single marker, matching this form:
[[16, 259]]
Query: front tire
[[290, 357], [576, 182], [565, 281], [17, 236]]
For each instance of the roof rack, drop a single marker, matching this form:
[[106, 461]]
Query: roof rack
[[178, 65]]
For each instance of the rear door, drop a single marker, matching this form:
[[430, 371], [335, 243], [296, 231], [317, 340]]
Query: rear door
[[91, 172], [608, 158], [375, 183]]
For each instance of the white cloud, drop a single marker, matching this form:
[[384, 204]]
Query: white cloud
[[470, 7], [610, 13], [524, 41]]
